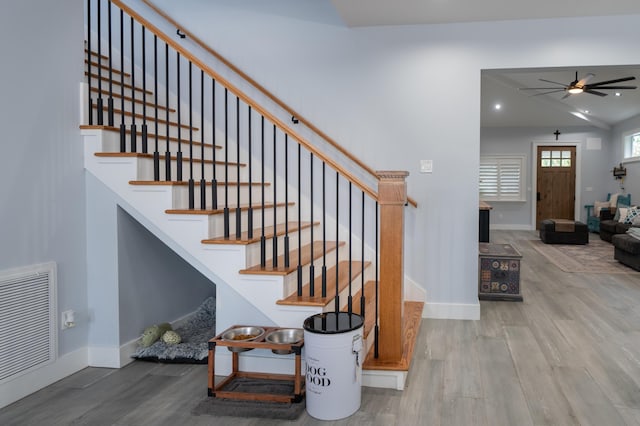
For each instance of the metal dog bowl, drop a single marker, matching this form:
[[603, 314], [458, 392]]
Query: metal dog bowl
[[285, 336], [241, 334]]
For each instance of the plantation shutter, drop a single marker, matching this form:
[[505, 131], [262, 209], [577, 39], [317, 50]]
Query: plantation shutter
[[501, 179]]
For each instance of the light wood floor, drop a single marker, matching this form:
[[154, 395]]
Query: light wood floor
[[569, 354]]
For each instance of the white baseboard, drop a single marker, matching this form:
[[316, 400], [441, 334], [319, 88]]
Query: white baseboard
[[459, 311], [384, 379], [26, 384]]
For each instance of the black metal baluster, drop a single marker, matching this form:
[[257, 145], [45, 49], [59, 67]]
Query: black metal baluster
[[192, 194], [134, 132], [250, 211], [238, 208], [362, 296], [203, 182], [376, 329], [123, 127], [274, 259], [214, 181], [299, 184], [350, 297], [110, 100], [226, 163], [324, 234], [167, 154], [337, 298], [90, 99], [312, 270], [144, 93], [179, 108], [99, 101], [263, 241], [156, 152], [286, 201]]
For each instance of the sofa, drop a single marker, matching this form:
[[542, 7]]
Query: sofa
[[627, 250]]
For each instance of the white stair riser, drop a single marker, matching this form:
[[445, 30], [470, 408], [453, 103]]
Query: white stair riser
[[181, 196]]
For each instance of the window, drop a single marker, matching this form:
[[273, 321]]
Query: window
[[502, 178], [632, 145], [555, 159]]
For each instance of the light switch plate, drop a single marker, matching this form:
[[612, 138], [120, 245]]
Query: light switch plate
[[426, 166]]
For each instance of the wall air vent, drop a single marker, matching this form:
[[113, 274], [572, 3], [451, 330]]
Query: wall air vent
[[28, 332]]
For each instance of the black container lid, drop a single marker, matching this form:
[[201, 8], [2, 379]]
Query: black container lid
[[333, 322]]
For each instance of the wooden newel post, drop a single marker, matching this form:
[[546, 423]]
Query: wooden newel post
[[392, 197]]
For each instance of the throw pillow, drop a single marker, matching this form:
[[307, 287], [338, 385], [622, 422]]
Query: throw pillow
[[632, 213], [613, 200], [599, 205], [619, 212]]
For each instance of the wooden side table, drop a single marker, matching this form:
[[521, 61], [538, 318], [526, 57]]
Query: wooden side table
[[499, 272], [297, 378]]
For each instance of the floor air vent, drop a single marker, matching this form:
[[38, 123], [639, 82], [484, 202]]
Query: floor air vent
[[28, 332]]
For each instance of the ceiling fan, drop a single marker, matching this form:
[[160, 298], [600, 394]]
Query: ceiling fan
[[581, 86]]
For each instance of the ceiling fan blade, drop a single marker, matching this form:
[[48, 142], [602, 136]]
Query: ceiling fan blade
[[554, 82], [540, 88], [566, 95], [590, 86], [584, 79], [617, 80], [546, 93], [593, 92]]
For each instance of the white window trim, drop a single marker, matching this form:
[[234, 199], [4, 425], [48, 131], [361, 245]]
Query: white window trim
[[626, 146], [504, 158]]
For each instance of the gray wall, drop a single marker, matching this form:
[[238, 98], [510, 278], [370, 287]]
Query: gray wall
[[595, 182], [42, 206], [395, 95], [632, 181], [156, 285]]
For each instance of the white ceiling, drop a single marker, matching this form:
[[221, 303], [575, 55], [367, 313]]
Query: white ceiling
[[519, 108]]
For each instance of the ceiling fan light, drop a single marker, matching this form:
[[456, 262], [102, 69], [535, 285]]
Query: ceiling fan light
[[575, 90]]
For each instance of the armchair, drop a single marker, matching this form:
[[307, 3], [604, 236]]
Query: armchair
[[605, 210]]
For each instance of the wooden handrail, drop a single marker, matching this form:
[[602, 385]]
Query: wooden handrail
[[246, 99], [268, 94]]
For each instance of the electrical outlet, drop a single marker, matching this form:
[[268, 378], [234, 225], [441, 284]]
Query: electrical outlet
[[68, 319], [426, 166]]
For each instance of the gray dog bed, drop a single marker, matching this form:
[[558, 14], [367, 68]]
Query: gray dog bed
[[195, 332]]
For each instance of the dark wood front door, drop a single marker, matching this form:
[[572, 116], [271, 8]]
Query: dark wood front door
[[556, 183]]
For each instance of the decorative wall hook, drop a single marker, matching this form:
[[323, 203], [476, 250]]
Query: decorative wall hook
[[181, 35], [294, 119]]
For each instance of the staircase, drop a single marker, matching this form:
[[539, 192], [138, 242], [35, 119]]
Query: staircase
[[282, 229]]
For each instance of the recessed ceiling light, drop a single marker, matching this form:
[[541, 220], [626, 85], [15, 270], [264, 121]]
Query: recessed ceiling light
[[618, 94], [497, 106], [586, 111]]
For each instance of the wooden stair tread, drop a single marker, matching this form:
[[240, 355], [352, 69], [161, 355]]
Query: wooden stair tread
[[305, 258], [119, 83], [129, 99], [317, 299], [268, 233], [410, 327], [186, 182], [94, 53], [221, 211], [104, 67], [150, 155], [161, 138], [370, 306], [150, 118]]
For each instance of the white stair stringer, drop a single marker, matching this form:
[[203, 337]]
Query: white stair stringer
[[220, 263]]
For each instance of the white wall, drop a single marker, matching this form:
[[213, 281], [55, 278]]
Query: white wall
[[41, 196], [595, 166], [395, 95], [632, 180], [415, 88]]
